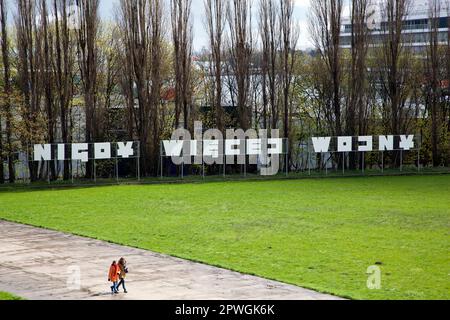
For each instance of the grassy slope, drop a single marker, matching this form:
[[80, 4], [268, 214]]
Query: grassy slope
[[4, 296], [321, 234]]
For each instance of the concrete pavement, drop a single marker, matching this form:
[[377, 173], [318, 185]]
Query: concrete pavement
[[46, 265]]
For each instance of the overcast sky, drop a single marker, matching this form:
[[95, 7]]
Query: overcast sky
[[200, 36]]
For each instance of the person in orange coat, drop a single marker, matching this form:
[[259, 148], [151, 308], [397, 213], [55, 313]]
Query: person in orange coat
[[113, 276]]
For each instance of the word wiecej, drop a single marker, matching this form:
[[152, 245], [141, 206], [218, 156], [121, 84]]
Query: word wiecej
[[214, 148], [238, 147], [363, 143], [84, 151]]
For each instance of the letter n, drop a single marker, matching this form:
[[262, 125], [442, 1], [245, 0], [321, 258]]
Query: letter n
[[42, 152]]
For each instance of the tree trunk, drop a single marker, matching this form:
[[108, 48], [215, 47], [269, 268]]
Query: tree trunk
[[7, 93]]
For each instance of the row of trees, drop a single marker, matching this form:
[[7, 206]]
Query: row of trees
[[130, 78]]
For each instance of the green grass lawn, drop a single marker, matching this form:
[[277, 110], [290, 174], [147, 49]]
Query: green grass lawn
[[321, 234], [4, 296]]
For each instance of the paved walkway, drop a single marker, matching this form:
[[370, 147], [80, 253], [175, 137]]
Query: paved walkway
[[40, 264]]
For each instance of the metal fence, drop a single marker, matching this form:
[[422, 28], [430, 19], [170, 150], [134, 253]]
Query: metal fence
[[295, 159]]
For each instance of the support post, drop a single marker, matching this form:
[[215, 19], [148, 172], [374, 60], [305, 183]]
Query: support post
[[401, 160], [287, 158], [117, 170], [309, 162], [245, 158], [139, 164], [363, 162], [245, 166], [418, 160], [161, 160], [28, 165], [309, 158]]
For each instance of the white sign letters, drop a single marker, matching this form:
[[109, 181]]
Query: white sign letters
[[84, 152], [363, 143], [212, 148]]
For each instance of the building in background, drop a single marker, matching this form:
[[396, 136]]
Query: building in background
[[416, 27]]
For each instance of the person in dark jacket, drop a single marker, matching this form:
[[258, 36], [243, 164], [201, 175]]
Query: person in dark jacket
[[123, 273]]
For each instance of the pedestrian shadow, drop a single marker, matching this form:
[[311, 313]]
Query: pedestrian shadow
[[103, 294]]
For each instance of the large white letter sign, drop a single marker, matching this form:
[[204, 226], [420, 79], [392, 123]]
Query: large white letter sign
[[321, 145], [125, 150], [42, 152], [80, 152], [61, 151], [102, 151], [83, 151], [406, 142], [368, 144], [173, 148], [230, 149], [194, 145], [345, 144], [276, 146], [211, 148], [386, 143], [364, 143], [254, 147]]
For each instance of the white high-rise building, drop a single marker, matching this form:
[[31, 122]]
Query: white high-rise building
[[416, 27]]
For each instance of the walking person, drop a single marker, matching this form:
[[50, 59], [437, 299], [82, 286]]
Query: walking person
[[113, 276], [123, 273]]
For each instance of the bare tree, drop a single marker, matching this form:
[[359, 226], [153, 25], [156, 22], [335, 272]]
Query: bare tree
[[63, 68], [110, 61], [135, 27], [269, 31], [289, 35], [47, 77], [356, 114], [182, 37], [357, 96], [433, 78], [241, 48], [29, 46], [156, 49], [395, 61], [7, 101], [325, 26], [87, 52], [215, 25], [141, 26], [2, 173], [446, 113]]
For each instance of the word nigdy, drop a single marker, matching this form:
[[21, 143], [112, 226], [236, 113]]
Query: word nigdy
[[81, 151]]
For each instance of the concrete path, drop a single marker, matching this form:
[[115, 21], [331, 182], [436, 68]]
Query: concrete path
[[41, 264]]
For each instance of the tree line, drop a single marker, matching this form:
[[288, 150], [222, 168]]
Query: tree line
[[69, 76]]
